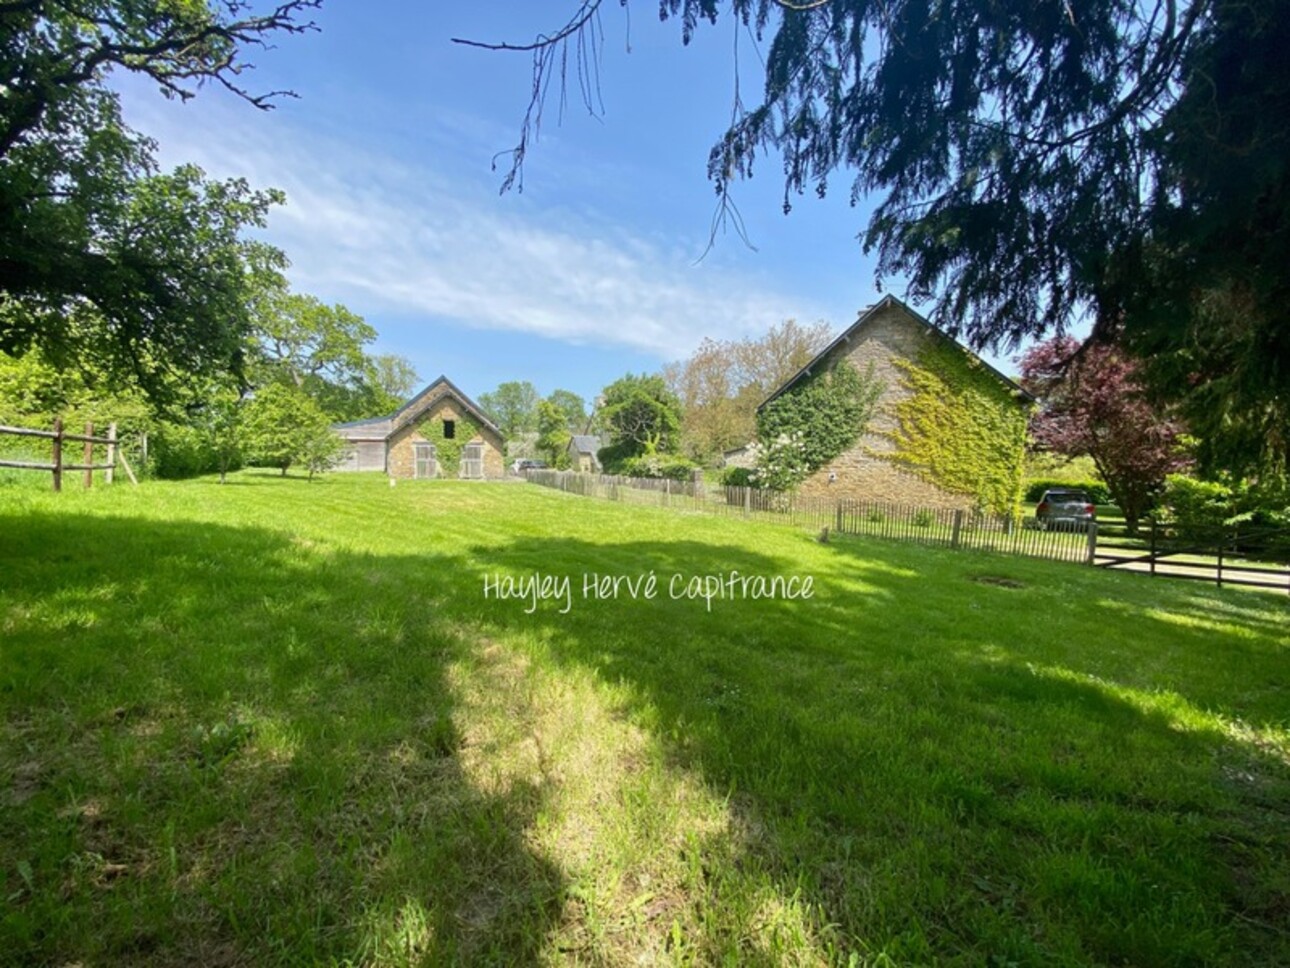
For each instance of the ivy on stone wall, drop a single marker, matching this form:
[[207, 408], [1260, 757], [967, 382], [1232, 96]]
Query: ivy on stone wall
[[961, 428], [820, 418], [448, 452]]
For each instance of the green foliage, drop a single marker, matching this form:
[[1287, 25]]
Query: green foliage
[[1096, 490], [924, 518], [738, 477], [284, 426], [573, 407], [673, 467], [813, 422], [553, 432], [1198, 507], [448, 451], [781, 463], [513, 407], [177, 451], [961, 428], [108, 264], [643, 415]]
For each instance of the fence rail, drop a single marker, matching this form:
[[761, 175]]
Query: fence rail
[[57, 465], [934, 526], [1254, 557]]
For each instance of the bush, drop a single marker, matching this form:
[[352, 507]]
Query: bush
[[924, 519], [1096, 490], [1193, 504], [737, 477], [176, 451], [670, 466]]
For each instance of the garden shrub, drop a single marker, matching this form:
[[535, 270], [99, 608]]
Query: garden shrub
[[670, 466], [738, 477], [176, 451]]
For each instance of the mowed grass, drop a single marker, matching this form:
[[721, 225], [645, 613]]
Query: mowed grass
[[278, 722]]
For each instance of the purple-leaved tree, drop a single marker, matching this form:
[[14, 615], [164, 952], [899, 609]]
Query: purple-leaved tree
[[1092, 403]]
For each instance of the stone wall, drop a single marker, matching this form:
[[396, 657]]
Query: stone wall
[[401, 460], [862, 472]]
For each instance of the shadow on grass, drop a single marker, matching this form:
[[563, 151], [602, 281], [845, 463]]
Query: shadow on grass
[[938, 777], [932, 779], [221, 748]]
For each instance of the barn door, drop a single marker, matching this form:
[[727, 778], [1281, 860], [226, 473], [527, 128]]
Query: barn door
[[425, 460], [472, 461]]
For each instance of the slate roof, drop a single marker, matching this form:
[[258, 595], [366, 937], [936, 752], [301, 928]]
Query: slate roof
[[378, 428], [585, 444]]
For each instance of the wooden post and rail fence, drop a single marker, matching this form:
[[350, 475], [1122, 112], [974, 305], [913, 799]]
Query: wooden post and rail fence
[[57, 466]]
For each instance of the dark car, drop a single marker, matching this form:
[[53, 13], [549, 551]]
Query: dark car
[[1065, 509], [527, 464]]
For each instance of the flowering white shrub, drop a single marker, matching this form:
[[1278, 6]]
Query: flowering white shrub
[[780, 465]]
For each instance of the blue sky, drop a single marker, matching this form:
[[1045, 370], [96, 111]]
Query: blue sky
[[593, 271]]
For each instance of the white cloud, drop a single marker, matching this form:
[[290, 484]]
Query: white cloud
[[382, 234]]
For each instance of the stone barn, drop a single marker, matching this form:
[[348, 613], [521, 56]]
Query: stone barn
[[439, 433], [947, 431]]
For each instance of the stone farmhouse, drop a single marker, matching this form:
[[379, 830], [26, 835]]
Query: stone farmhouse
[[947, 431], [439, 433]]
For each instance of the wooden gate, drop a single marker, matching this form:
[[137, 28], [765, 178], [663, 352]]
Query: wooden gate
[[472, 461]]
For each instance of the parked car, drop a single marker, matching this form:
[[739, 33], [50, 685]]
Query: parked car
[[528, 464], [1065, 509]]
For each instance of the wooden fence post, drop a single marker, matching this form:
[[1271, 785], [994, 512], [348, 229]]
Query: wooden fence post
[[747, 501], [1218, 578], [58, 453], [1092, 542], [1153, 547], [89, 454], [958, 528], [110, 475]]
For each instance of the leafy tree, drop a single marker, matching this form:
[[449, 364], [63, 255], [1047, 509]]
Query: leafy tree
[[573, 407], [723, 382], [103, 261], [393, 378], [643, 415], [219, 421], [553, 431], [1092, 403], [1034, 165], [514, 406], [284, 426], [301, 339]]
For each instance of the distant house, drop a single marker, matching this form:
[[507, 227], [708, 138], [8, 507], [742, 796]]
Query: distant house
[[948, 429], [582, 453], [440, 432], [738, 456]]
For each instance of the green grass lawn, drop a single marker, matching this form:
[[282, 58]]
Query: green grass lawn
[[279, 722]]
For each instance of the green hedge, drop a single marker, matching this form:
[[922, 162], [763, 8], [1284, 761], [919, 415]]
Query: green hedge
[[1095, 490], [655, 465], [738, 477]]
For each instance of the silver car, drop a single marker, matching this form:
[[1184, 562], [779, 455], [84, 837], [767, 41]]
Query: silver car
[[1065, 510]]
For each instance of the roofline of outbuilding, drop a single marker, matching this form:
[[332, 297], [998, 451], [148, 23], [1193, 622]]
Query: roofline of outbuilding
[[396, 423], [867, 314]]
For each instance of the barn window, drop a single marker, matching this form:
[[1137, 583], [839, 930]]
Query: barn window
[[449, 429]]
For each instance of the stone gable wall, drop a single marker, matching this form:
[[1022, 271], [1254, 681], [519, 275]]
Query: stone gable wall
[[861, 472], [401, 461]]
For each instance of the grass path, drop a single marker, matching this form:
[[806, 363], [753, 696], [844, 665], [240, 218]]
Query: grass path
[[279, 722]]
